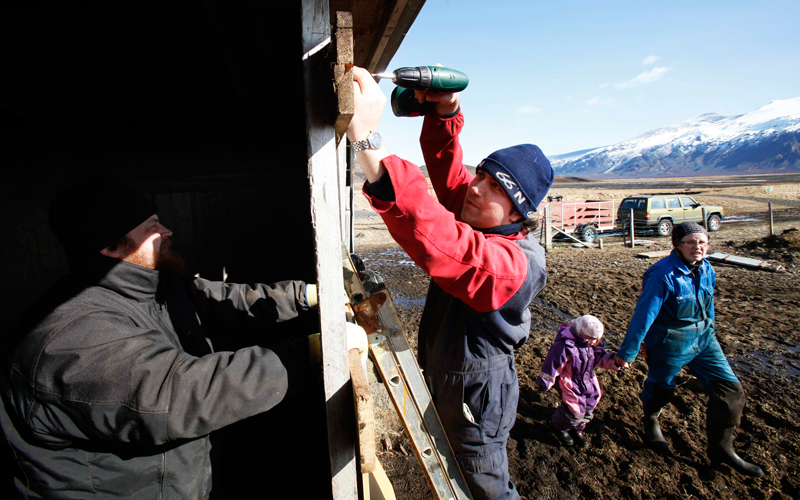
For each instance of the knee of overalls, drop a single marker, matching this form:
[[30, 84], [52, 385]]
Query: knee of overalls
[[487, 475], [725, 403]]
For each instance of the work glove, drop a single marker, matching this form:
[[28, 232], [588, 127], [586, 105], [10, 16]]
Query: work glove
[[311, 295], [357, 339]]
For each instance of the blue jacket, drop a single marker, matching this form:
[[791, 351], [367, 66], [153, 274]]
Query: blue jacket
[[673, 302]]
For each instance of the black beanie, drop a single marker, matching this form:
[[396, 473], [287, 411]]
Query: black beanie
[[685, 229], [524, 173], [95, 212]]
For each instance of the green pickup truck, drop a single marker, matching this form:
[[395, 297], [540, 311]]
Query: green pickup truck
[[662, 212]]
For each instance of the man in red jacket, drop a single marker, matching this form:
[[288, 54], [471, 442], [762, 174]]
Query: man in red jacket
[[474, 242]]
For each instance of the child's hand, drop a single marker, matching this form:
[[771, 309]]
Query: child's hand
[[621, 362]]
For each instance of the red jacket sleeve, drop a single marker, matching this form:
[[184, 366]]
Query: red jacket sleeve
[[444, 159], [484, 271]]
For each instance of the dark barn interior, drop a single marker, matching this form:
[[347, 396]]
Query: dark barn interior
[[204, 105]]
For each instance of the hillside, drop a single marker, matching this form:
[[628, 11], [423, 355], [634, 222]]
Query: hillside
[[766, 140]]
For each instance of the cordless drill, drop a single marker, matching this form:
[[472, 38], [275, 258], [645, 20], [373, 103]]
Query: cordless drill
[[429, 79]]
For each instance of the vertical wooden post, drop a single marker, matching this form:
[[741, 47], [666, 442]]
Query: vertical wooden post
[[548, 233], [323, 172], [705, 219], [343, 81], [633, 241], [771, 223]]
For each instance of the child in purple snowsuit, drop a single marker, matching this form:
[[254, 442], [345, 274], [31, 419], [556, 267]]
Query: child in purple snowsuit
[[575, 353]]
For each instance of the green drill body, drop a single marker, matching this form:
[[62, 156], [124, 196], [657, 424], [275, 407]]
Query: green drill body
[[429, 79], [433, 79]]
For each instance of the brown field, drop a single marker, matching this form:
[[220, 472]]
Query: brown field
[[758, 316]]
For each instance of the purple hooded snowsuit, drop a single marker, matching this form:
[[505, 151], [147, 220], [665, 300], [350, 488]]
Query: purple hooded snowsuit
[[572, 362]]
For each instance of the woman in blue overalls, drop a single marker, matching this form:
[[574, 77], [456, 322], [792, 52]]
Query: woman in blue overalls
[[675, 318]]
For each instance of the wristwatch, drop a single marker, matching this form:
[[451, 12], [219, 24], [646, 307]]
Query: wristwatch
[[373, 141]]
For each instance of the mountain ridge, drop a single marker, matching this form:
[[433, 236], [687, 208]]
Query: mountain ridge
[[766, 140]]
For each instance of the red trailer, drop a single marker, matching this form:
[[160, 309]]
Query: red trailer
[[585, 219]]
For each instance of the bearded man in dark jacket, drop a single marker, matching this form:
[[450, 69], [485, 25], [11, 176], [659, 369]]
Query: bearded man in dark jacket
[[110, 388]]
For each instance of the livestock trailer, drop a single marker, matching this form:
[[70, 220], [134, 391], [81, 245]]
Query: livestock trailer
[[586, 219]]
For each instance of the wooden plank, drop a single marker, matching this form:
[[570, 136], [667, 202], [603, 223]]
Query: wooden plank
[[650, 255], [343, 72], [745, 262], [733, 259], [323, 172], [343, 83], [380, 488], [365, 416]]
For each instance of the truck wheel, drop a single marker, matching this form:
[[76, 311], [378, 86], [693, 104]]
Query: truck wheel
[[714, 223], [589, 234], [664, 227]]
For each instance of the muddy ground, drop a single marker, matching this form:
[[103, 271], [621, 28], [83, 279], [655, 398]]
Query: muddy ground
[[758, 316]]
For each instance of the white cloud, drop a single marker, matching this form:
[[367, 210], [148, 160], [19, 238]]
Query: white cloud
[[650, 60], [528, 110], [651, 76]]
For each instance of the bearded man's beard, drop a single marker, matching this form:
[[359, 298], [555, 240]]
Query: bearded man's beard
[[168, 260], [165, 260]]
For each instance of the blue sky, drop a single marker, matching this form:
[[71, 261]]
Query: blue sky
[[572, 75]]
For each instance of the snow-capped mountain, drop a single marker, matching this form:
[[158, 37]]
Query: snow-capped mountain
[[764, 140]]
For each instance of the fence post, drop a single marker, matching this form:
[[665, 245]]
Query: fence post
[[771, 223], [548, 233], [705, 220], [633, 241]]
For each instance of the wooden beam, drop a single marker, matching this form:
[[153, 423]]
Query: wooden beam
[[343, 83], [399, 22], [365, 415], [323, 171], [343, 72]]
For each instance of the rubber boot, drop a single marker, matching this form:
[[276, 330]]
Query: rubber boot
[[720, 451], [653, 437], [581, 441], [725, 408], [563, 436]]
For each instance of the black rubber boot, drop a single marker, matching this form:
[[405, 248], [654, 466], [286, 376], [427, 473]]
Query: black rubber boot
[[581, 441], [563, 436], [652, 433], [725, 408], [720, 451], [652, 430], [724, 414]]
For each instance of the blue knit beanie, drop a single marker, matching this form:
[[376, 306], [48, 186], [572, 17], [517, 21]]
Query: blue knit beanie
[[524, 173]]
